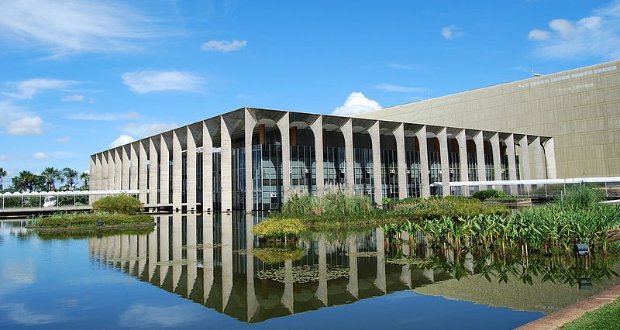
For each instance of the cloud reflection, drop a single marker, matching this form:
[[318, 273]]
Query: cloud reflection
[[143, 316], [20, 315]]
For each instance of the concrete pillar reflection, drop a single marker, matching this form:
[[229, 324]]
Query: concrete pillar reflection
[[177, 249], [375, 139], [424, 179], [288, 298], [401, 159], [321, 292], [227, 258], [164, 248], [164, 172], [153, 246], [317, 131], [445, 164], [461, 138], [226, 166], [142, 254], [153, 173], [207, 255], [191, 253], [380, 281], [549, 147], [207, 169], [250, 123], [191, 169], [251, 300], [133, 254], [177, 171], [353, 286], [347, 133], [283, 126]]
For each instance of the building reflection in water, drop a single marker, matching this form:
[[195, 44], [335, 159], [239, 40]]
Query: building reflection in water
[[210, 260]]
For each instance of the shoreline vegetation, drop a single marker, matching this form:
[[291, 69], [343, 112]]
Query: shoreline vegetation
[[458, 221], [112, 213]]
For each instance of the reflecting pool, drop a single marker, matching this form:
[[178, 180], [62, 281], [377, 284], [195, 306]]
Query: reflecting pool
[[201, 271]]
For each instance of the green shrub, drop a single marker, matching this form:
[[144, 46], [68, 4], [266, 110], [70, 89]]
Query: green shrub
[[451, 207], [70, 220], [489, 193], [279, 228], [122, 204], [582, 196]]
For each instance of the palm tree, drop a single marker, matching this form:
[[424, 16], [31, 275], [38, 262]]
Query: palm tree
[[2, 175], [85, 177], [50, 175], [69, 175], [25, 180]]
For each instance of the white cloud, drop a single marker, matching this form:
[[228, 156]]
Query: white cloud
[[149, 81], [147, 129], [4, 158], [224, 46], [403, 66], [40, 155], [597, 35], [65, 27], [27, 125], [539, 35], [91, 116], [451, 32], [143, 316], [27, 89], [63, 139], [121, 141], [77, 98], [399, 89], [356, 104]]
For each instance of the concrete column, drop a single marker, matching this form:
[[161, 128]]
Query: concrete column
[[401, 158], [549, 146], [177, 171], [111, 168], [375, 139], [103, 180], [497, 159], [461, 138], [445, 165], [512, 161], [126, 166], [524, 158], [283, 126], [164, 172], [538, 158], [207, 169], [98, 174], [134, 163], [153, 173], [347, 132], [424, 179], [118, 169], [226, 166], [482, 173], [93, 176], [317, 130], [191, 169], [250, 123], [142, 182]]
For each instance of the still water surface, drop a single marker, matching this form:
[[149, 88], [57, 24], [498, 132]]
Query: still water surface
[[204, 272]]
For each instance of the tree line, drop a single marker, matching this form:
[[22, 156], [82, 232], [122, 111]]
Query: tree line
[[50, 179]]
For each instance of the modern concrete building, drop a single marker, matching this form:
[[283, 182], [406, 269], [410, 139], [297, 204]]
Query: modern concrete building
[[254, 159], [580, 108]]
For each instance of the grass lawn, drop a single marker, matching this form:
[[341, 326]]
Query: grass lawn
[[606, 317]]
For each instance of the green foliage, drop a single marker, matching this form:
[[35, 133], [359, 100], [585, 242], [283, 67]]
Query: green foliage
[[272, 255], [605, 317], [489, 193], [279, 228], [582, 197], [70, 220], [122, 204], [333, 204], [451, 207], [84, 233]]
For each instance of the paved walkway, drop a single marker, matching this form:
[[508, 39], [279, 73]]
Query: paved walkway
[[575, 311]]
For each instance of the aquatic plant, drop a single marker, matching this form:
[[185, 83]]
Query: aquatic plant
[[275, 255], [279, 228], [122, 204]]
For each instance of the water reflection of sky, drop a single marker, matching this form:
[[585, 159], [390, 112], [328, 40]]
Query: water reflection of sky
[[99, 283]]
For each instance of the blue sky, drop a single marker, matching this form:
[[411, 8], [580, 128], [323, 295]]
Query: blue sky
[[77, 76]]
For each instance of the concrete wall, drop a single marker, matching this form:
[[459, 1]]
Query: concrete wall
[[579, 108]]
